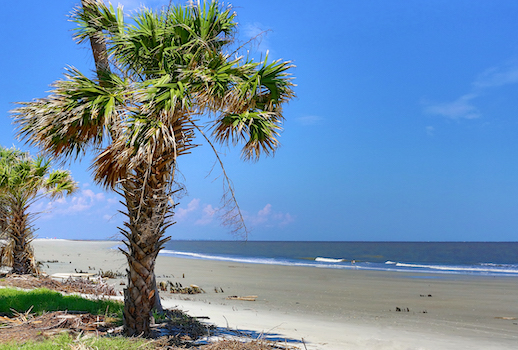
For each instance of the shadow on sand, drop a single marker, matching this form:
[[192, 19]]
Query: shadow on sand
[[248, 335]]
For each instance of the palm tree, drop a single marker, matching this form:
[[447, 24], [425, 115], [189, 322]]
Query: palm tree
[[23, 181], [171, 80]]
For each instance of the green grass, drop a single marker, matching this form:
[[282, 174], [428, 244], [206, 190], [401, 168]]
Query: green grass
[[44, 300], [60, 342], [64, 341]]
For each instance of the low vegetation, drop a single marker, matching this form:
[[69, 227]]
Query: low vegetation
[[42, 319], [65, 341], [43, 300]]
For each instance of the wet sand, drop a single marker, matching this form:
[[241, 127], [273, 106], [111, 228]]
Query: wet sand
[[324, 308]]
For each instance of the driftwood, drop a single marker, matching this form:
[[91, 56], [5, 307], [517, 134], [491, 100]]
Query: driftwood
[[245, 298]]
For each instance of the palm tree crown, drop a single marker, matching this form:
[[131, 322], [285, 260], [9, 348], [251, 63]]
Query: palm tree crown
[[23, 181], [170, 69]]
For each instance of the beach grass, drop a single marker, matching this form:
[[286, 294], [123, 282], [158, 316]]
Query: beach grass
[[65, 341], [43, 300]]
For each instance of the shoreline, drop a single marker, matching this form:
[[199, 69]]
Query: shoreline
[[328, 308], [426, 267]]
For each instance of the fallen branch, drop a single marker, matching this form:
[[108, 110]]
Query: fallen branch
[[246, 298]]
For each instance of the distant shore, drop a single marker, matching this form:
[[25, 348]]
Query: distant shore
[[326, 309]]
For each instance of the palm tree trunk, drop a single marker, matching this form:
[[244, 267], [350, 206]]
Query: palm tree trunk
[[137, 296], [102, 64], [20, 233], [147, 210]]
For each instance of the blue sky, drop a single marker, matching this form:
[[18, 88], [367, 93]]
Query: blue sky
[[405, 125]]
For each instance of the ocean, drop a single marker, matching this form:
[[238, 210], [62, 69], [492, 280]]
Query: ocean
[[473, 258]]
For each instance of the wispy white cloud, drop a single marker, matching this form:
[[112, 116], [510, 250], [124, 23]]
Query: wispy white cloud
[[195, 213], [461, 108], [310, 120], [108, 217], [497, 76], [207, 216], [183, 213], [465, 107], [201, 215], [263, 214], [85, 200], [430, 130], [112, 200], [268, 217]]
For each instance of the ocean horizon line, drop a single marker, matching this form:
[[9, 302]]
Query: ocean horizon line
[[268, 241]]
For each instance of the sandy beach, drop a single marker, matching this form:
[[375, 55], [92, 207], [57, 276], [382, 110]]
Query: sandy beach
[[327, 309]]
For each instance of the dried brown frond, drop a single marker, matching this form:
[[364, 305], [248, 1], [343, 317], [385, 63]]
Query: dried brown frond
[[80, 285], [27, 327], [231, 212]]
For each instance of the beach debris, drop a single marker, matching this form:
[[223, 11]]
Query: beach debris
[[66, 276], [248, 344], [179, 329], [23, 326], [68, 285], [425, 295], [218, 291], [177, 288], [111, 274], [398, 309], [506, 318], [163, 286], [245, 298], [88, 286], [192, 289]]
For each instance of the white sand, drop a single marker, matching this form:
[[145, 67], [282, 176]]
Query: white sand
[[327, 309]]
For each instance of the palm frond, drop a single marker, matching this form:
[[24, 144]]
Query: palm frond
[[77, 114], [258, 130], [94, 19], [213, 24], [231, 211], [58, 183], [146, 139]]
